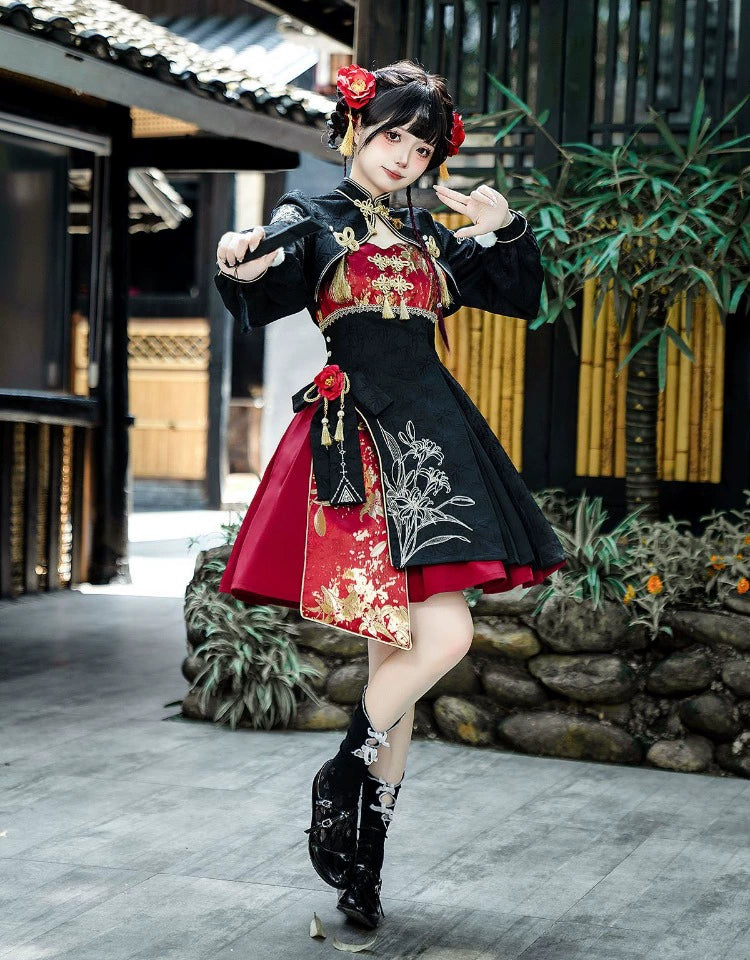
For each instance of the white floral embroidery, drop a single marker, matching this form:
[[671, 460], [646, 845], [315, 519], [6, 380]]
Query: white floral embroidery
[[288, 212], [411, 505]]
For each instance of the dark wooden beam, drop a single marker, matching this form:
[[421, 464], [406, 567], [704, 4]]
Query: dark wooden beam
[[111, 453], [54, 492], [6, 498], [219, 212], [379, 32], [36, 406], [44, 60], [209, 154], [30, 507]]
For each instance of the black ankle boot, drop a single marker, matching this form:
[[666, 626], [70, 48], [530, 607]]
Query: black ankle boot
[[332, 835], [361, 899]]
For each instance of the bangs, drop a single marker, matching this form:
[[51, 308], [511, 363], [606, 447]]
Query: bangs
[[414, 108]]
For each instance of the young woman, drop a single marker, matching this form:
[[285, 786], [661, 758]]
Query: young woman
[[378, 526]]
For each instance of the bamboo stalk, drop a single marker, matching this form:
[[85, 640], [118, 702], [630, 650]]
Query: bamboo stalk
[[608, 387], [695, 343], [597, 384], [718, 397], [622, 386], [683, 400], [495, 374], [709, 385], [585, 378], [669, 419]]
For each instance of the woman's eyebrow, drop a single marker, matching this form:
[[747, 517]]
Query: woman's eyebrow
[[401, 130]]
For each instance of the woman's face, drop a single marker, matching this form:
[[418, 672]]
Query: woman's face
[[393, 149]]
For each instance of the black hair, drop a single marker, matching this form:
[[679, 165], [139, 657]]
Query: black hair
[[407, 96]]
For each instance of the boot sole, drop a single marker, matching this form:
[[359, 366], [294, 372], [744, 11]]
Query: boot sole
[[357, 916], [338, 882]]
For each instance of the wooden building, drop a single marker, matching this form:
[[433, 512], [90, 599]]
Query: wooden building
[[93, 97]]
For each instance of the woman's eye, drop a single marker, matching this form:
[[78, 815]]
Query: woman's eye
[[425, 150]]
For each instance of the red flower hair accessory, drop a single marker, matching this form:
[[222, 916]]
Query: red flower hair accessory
[[458, 134], [457, 137], [357, 86]]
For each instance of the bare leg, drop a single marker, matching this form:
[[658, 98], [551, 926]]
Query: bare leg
[[442, 631], [391, 763]]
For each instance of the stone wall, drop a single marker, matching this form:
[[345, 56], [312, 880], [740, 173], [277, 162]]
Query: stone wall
[[580, 684]]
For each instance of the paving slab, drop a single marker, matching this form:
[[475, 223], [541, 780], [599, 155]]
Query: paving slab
[[130, 833]]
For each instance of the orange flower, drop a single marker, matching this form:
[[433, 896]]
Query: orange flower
[[743, 585], [740, 556], [629, 593], [654, 584], [747, 539], [717, 566]]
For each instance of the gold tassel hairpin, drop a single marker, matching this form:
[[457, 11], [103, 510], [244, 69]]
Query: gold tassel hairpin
[[346, 147], [443, 172]]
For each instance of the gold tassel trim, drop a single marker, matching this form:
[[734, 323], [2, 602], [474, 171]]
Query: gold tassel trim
[[340, 289], [445, 296], [346, 147], [404, 313], [339, 435], [443, 173], [325, 436], [387, 313]]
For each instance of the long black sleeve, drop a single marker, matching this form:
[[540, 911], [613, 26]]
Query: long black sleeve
[[505, 277], [278, 292]]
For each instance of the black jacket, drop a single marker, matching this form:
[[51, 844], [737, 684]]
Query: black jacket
[[451, 491], [504, 278]]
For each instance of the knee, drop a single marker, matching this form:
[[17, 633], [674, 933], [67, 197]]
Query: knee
[[458, 644]]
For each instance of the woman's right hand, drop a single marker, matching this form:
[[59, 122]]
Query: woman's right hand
[[233, 247]]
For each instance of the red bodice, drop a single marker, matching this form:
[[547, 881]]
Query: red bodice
[[373, 275]]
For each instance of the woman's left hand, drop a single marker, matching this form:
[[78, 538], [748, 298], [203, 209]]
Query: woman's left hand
[[485, 207]]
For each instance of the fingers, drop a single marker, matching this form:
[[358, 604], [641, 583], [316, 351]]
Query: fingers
[[484, 193], [233, 246]]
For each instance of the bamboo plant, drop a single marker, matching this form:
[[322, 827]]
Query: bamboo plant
[[654, 220]]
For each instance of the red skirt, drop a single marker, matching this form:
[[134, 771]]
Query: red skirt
[[267, 561]]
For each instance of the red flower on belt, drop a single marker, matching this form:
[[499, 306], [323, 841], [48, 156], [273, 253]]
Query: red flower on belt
[[331, 382]]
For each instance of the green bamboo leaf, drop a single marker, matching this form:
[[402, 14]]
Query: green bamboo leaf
[[661, 356], [680, 343], [509, 94], [707, 279], [737, 295]]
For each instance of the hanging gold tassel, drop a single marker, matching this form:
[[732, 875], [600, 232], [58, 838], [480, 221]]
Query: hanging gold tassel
[[325, 437], [443, 173], [340, 289], [445, 296], [388, 313], [339, 435], [404, 313], [346, 147]]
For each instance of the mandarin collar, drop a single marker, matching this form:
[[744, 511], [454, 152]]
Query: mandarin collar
[[355, 191]]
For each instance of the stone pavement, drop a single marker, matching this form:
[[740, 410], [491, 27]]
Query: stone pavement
[[128, 832]]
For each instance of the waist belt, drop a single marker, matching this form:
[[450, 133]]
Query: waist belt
[[337, 463]]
